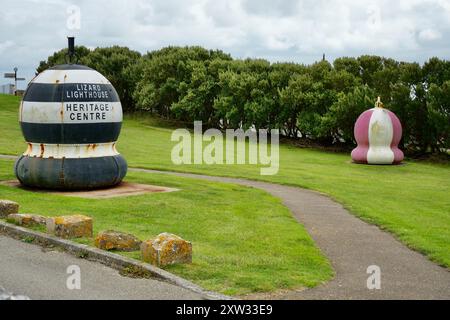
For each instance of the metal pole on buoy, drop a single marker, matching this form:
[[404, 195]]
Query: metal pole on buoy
[[71, 48]]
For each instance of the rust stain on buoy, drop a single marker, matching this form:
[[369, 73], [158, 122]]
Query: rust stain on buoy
[[42, 150]]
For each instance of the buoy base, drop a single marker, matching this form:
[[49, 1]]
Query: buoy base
[[71, 174], [377, 156]]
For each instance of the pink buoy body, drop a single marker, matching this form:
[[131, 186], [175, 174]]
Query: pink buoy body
[[378, 132]]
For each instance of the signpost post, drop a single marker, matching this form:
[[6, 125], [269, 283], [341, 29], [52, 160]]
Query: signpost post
[[13, 75]]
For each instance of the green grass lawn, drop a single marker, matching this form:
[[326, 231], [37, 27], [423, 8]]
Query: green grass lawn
[[412, 201], [244, 240]]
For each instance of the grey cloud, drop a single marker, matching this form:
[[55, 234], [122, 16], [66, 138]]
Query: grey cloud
[[299, 31], [280, 8]]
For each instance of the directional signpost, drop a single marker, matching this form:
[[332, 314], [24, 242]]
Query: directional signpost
[[13, 75]]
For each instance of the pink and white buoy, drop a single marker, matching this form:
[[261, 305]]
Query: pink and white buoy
[[378, 132]]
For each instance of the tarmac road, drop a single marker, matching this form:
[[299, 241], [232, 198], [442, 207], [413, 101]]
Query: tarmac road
[[27, 269]]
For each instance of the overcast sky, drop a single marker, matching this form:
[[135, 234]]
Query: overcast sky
[[277, 30]]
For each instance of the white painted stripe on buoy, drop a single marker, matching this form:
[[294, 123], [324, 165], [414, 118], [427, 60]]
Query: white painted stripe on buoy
[[71, 76], [70, 112], [71, 151], [380, 138]]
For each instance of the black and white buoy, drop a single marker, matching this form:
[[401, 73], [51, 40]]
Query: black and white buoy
[[71, 118]]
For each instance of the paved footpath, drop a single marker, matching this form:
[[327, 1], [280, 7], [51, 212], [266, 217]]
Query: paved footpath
[[352, 246], [27, 269]]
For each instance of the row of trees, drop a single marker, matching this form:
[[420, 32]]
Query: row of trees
[[320, 102]]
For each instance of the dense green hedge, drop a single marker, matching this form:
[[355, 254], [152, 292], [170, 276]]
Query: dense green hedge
[[320, 101]]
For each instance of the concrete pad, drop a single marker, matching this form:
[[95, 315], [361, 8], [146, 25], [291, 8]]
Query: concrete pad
[[125, 189]]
